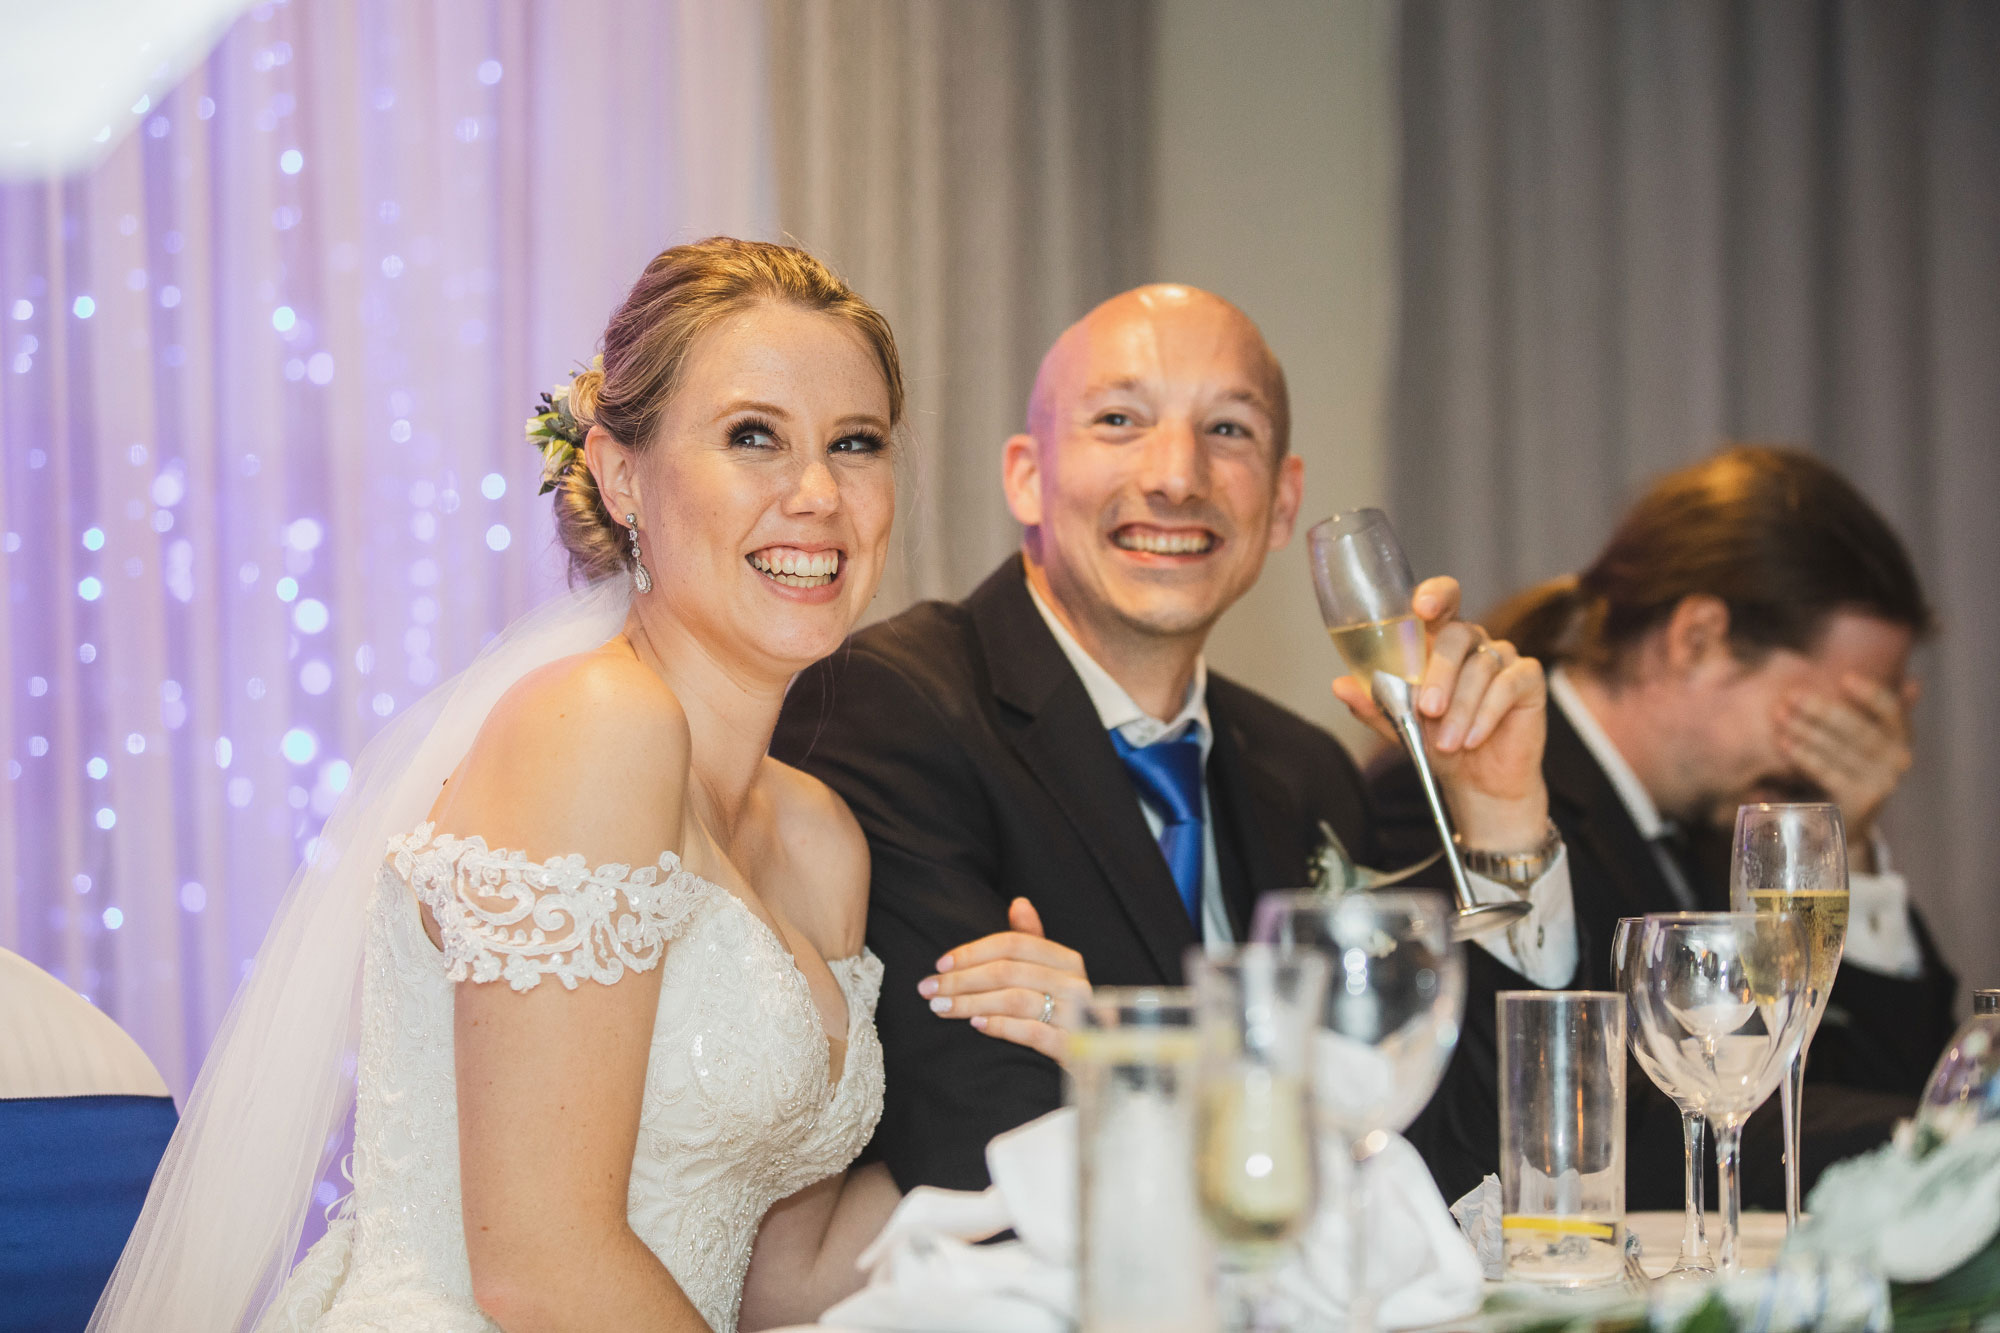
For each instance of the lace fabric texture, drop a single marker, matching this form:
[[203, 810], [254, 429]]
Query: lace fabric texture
[[740, 1107]]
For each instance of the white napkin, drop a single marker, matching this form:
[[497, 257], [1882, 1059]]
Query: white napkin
[[1479, 1215], [924, 1274]]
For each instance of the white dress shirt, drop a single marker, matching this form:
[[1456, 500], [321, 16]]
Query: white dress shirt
[[1541, 946], [1879, 934]]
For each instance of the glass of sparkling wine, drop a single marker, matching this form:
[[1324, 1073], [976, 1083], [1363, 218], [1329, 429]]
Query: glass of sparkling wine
[[1695, 1260], [1364, 586], [1562, 1136], [1793, 858], [1722, 1000], [1255, 1173]]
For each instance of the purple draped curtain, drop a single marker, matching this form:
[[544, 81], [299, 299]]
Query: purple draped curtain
[[263, 374]]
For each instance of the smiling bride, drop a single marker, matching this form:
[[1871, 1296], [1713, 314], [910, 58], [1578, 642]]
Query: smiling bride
[[605, 999]]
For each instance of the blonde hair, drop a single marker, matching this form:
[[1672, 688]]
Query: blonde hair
[[684, 292]]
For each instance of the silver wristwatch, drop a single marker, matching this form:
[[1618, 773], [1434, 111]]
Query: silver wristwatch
[[1517, 870]]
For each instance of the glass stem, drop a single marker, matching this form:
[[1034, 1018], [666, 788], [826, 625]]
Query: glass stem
[[1694, 1235], [1360, 1301], [1728, 1144], [1793, 1092]]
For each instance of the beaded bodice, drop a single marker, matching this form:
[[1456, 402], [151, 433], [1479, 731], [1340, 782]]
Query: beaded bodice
[[741, 1106]]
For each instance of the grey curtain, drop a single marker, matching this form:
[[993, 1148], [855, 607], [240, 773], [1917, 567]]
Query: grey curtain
[[978, 169], [1633, 230]]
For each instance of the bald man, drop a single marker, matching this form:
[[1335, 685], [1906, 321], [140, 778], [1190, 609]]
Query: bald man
[[1050, 765]]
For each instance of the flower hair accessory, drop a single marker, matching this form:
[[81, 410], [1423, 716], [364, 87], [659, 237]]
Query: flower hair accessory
[[556, 433]]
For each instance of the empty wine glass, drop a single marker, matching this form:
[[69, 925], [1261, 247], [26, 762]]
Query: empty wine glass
[[1255, 1173], [1387, 1028], [1364, 585], [1793, 858], [1695, 1260], [1723, 999]]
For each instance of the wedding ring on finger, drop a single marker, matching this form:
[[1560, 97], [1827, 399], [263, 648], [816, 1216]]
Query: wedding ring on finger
[[1048, 1007]]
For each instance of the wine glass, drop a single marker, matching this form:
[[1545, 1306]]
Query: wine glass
[[1255, 1174], [1695, 1260], [1793, 858], [1387, 1029], [1722, 1000], [1364, 585]]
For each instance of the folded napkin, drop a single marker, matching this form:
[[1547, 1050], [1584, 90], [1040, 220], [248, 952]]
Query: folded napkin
[[925, 1274]]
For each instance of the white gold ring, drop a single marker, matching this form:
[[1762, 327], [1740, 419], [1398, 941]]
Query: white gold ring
[[1048, 1006]]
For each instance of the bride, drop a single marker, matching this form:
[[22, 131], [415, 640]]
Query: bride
[[614, 1037]]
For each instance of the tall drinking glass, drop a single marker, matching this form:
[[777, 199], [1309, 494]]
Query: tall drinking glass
[[1387, 1029], [1793, 858], [1364, 585], [1722, 1000], [1255, 1173], [1695, 1260], [1562, 1136], [1144, 1259]]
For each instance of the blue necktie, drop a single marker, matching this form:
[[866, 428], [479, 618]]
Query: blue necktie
[[1168, 776]]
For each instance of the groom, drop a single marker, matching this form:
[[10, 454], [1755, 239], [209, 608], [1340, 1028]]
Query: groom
[[1057, 737]]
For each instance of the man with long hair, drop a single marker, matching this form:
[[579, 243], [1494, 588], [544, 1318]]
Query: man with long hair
[[1744, 635]]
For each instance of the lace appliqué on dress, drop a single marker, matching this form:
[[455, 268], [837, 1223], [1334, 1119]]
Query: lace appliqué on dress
[[501, 916]]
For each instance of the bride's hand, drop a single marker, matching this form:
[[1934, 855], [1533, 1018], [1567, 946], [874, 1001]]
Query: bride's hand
[[1011, 985]]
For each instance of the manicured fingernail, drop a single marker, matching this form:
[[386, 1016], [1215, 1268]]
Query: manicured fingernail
[[941, 1005], [1447, 738], [944, 963], [927, 987], [979, 1021], [1433, 700]]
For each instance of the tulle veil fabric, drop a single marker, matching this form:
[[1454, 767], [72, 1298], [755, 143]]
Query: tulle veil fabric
[[226, 1209]]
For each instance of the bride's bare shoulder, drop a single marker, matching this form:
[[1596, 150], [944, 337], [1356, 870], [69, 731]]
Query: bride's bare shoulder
[[816, 856], [587, 754]]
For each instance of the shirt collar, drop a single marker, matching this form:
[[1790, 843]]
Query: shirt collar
[[1116, 708], [1637, 801]]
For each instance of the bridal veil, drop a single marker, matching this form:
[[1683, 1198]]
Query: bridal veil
[[228, 1204]]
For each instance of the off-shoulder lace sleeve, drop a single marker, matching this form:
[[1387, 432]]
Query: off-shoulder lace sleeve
[[501, 916]]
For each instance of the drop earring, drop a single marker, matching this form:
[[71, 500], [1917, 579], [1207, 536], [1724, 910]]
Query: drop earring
[[641, 580]]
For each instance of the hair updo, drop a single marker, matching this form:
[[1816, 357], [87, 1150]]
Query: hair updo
[[683, 292]]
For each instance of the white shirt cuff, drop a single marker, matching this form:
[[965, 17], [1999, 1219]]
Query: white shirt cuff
[[1880, 937], [1541, 946]]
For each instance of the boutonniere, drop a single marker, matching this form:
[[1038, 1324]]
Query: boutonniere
[[1334, 872]]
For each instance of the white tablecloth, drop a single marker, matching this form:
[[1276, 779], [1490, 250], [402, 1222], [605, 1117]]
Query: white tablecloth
[[1758, 1240]]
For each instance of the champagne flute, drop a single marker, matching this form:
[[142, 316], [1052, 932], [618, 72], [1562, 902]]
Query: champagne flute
[[1364, 585], [1793, 858], [1695, 1260], [1387, 1029], [1255, 1173], [1722, 1000]]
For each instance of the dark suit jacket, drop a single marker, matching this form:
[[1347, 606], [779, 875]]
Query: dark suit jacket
[[1868, 1061], [967, 747]]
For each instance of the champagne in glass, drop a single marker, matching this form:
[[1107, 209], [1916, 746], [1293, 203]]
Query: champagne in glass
[[1364, 586], [1793, 858], [1255, 1171], [1395, 645]]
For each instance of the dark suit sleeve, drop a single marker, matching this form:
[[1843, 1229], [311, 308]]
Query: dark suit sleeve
[[861, 725]]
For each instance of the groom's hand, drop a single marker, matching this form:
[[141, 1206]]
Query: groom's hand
[[1004, 983], [1484, 709]]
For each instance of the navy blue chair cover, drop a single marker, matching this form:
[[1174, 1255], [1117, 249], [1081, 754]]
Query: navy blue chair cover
[[73, 1175]]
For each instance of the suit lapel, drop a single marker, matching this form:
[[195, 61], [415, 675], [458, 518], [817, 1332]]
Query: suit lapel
[[1238, 788], [1047, 717], [1591, 813]]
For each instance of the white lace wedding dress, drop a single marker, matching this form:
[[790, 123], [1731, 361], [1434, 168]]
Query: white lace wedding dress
[[741, 1105]]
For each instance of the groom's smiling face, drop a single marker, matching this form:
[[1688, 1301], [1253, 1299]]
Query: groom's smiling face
[[1154, 478]]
